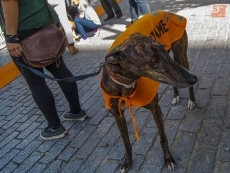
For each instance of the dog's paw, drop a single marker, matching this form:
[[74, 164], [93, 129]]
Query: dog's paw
[[175, 100], [170, 163], [123, 170], [126, 164], [171, 166], [191, 105]]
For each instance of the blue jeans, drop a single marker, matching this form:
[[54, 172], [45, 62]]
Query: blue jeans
[[143, 6], [83, 26]]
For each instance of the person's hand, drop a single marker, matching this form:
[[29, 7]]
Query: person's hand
[[14, 49]]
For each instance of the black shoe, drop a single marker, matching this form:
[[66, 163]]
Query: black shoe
[[49, 133], [81, 116], [109, 17], [118, 16]]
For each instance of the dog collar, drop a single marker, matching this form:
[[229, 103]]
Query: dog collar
[[121, 80]]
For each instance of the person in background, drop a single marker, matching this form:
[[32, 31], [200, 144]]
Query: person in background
[[60, 8], [109, 6], [86, 11], [83, 25], [142, 5], [22, 19]]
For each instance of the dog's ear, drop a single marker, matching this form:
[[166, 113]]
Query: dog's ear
[[115, 57]]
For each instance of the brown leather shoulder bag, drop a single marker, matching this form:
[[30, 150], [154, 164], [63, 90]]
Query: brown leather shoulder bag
[[44, 47]]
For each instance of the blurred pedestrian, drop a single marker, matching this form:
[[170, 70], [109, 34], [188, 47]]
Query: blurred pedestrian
[[84, 22], [142, 5], [111, 7]]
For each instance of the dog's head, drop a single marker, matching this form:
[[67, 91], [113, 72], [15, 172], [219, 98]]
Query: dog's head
[[140, 55]]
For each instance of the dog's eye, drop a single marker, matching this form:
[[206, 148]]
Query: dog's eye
[[154, 59]]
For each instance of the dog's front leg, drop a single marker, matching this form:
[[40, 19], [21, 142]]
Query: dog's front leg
[[176, 97], [179, 49], [158, 117], [122, 126]]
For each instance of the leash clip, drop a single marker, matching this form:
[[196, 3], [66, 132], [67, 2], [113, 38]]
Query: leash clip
[[99, 68]]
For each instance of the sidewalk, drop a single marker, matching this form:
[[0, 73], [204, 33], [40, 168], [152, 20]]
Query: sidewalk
[[199, 139]]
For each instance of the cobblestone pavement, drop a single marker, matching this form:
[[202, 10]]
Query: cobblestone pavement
[[199, 139]]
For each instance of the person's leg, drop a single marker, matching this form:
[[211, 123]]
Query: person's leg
[[143, 6], [133, 10], [69, 89], [108, 8], [85, 23], [42, 95], [80, 28], [115, 6]]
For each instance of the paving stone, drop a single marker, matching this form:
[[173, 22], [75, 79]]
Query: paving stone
[[87, 148], [166, 99], [67, 154], [82, 136], [8, 131], [11, 122], [29, 162], [184, 147], [203, 160], [32, 136], [147, 137], [53, 152], [225, 167], [117, 152], [104, 126], [207, 81], [9, 168], [110, 167], [178, 111], [142, 117], [26, 151], [221, 87], [202, 97], [98, 117], [12, 109], [111, 137], [8, 139], [155, 161], [217, 108], [211, 132], [55, 166], [28, 130], [225, 147], [72, 166], [193, 120], [7, 157], [28, 122], [211, 67], [171, 129], [38, 168], [7, 148], [97, 156]]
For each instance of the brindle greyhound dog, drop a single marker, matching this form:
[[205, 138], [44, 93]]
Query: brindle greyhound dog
[[141, 56]]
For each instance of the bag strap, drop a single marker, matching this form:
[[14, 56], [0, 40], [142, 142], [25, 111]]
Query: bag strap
[[68, 79], [51, 17]]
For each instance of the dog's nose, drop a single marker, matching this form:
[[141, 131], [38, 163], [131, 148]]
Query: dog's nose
[[193, 80]]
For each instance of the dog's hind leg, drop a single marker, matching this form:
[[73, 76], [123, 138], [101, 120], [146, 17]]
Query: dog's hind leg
[[179, 49], [158, 117], [122, 126]]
